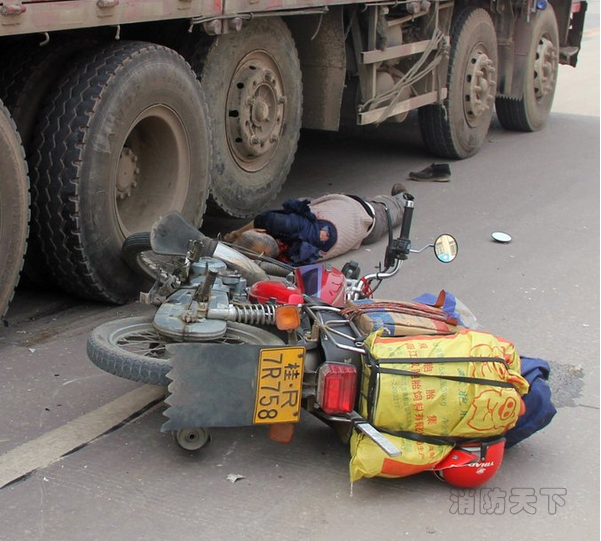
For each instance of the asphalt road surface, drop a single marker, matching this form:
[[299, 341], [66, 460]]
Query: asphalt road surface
[[127, 480]]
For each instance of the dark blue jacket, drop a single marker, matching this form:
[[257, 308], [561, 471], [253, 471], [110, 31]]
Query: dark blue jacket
[[298, 227], [539, 408]]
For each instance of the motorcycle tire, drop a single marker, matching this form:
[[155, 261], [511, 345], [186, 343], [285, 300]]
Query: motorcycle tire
[[132, 349], [138, 254]]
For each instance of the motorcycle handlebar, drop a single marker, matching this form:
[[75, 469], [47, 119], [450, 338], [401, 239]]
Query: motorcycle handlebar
[[407, 218]]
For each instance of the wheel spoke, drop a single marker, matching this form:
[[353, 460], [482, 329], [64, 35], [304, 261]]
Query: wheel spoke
[[132, 348], [147, 343]]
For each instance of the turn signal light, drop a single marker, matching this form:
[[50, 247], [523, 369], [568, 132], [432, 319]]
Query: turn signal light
[[336, 388], [287, 318]]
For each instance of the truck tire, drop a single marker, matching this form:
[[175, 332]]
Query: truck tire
[[252, 83], [28, 74], [529, 113], [14, 208], [132, 349], [458, 128], [123, 140]]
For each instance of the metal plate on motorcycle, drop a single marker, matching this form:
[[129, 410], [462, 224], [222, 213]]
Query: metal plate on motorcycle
[[171, 233], [225, 385], [168, 319]]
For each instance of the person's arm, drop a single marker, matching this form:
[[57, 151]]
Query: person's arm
[[279, 225], [233, 236], [302, 253]]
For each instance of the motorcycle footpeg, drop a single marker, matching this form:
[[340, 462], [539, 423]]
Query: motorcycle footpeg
[[374, 435]]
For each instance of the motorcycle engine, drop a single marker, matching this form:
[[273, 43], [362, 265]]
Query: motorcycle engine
[[184, 318]]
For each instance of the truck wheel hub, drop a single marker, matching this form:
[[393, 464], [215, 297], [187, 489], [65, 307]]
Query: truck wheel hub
[[545, 68], [255, 111], [127, 173], [479, 86]]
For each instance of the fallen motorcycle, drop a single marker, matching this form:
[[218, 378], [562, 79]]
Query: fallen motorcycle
[[236, 347]]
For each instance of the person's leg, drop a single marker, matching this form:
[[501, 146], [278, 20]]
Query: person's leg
[[395, 205]]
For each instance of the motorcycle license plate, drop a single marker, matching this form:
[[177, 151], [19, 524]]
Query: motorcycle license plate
[[279, 386]]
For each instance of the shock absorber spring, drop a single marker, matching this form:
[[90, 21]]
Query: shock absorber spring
[[255, 314]]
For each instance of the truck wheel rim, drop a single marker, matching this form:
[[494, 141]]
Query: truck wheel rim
[[545, 68], [153, 169], [479, 85], [255, 111]]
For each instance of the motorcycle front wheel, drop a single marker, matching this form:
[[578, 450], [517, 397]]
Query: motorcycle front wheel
[[138, 254], [131, 348]]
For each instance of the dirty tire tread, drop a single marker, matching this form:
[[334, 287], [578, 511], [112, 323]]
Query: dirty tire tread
[[138, 243], [56, 173], [53, 199], [120, 363], [195, 50], [436, 130], [520, 114], [131, 249], [27, 77], [14, 204], [511, 115]]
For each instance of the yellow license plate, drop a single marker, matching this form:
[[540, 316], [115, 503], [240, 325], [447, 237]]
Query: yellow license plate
[[279, 386]]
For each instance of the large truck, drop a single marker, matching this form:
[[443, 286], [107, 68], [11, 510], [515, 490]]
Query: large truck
[[125, 110]]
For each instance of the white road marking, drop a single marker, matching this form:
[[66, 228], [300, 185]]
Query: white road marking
[[50, 447]]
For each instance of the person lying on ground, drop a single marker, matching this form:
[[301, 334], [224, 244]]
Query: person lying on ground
[[304, 231]]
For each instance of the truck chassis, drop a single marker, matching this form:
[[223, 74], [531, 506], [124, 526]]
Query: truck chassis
[[127, 110]]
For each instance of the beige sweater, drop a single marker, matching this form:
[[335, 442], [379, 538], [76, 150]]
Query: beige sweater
[[351, 221]]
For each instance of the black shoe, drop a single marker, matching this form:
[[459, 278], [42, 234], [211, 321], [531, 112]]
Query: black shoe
[[437, 172], [398, 188]]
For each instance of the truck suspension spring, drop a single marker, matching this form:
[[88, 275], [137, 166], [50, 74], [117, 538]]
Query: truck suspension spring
[[255, 314]]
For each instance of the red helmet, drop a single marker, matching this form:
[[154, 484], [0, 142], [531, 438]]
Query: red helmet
[[471, 464]]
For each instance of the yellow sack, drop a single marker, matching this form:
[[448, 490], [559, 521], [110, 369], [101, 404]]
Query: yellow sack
[[461, 387], [368, 460]]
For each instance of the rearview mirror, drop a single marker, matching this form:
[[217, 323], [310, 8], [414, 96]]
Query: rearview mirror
[[445, 248], [501, 236]]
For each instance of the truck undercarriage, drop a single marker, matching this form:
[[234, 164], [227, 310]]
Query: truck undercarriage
[[117, 129]]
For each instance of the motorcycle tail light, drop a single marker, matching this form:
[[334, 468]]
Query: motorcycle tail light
[[336, 388]]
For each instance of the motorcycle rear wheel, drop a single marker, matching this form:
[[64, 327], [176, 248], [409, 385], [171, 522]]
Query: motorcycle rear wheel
[[132, 349]]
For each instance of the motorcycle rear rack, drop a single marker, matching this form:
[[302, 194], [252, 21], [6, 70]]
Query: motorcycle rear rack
[[328, 328]]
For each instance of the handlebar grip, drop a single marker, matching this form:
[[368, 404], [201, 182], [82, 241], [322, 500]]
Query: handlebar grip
[[407, 217]]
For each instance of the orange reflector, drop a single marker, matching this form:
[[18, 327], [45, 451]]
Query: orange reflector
[[287, 318], [282, 432]]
